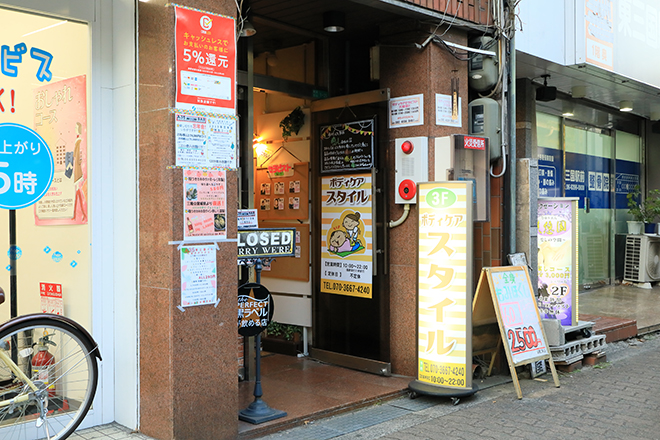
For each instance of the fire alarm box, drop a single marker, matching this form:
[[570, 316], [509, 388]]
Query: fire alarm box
[[411, 167], [462, 157]]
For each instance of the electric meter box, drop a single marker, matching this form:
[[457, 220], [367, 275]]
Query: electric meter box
[[463, 157], [483, 70], [411, 166], [485, 120]]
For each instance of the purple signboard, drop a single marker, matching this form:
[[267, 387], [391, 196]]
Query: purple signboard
[[557, 238]]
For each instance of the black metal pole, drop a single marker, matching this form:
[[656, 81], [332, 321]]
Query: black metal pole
[[13, 299], [13, 284], [259, 411], [258, 392]]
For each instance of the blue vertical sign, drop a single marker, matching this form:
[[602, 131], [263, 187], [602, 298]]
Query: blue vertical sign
[[26, 166], [550, 169], [627, 177]]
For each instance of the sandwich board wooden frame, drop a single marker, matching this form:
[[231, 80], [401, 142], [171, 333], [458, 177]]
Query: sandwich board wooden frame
[[505, 294]]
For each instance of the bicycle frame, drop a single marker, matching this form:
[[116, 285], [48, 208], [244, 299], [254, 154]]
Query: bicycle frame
[[18, 372]]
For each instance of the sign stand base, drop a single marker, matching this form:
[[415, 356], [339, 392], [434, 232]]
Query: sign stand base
[[427, 389], [259, 412]]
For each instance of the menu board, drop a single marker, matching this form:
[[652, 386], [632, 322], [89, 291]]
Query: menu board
[[519, 316], [348, 147], [505, 294]]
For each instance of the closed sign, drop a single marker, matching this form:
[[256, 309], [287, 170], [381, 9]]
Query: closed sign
[[258, 243]]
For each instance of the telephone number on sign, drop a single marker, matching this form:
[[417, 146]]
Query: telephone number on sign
[[345, 287]]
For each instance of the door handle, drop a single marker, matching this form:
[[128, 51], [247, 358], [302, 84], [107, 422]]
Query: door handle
[[587, 205]]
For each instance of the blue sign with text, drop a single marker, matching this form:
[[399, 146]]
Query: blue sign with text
[[550, 172], [627, 177], [26, 166], [588, 176]]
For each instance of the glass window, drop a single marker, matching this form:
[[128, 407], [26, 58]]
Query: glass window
[[45, 88]]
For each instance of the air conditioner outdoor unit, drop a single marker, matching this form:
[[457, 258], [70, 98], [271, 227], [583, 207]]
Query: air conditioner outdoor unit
[[642, 263]]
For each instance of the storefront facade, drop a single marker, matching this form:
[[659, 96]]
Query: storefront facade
[[594, 137], [341, 79]]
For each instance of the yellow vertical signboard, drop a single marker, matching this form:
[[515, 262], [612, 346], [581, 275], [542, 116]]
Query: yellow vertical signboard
[[444, 328]]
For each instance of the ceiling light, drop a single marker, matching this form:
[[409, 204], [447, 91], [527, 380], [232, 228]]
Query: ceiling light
[[626, 106], [271, 59], [333, 21], [579, 91], [247, 30]]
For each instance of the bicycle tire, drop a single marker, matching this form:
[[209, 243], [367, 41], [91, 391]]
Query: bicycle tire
[[69, 385]]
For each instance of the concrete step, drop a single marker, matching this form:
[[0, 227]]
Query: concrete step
[[614, 329]]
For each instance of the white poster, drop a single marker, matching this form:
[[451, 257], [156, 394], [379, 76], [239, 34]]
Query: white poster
[[198, 275], [406, 111], [247, 219], [444, 114], [205, 141]]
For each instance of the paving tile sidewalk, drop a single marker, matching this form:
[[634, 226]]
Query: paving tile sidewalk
[[617, 400]]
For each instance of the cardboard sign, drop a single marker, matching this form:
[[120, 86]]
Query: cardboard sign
[[505, 294]]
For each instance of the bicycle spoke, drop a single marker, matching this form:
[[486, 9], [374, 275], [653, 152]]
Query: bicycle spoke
[[66, 382]]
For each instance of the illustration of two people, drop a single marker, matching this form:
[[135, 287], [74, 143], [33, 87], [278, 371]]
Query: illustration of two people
[[345, 241]]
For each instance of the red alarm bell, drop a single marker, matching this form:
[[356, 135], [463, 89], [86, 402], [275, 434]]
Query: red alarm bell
[[407, 189]]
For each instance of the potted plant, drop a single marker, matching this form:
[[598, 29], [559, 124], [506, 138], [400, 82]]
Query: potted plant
[[292, 123], [644, 212], [283, 339], [652, 207], [634, 209]]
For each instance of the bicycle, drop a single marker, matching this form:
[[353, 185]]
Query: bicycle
[[48, 376]]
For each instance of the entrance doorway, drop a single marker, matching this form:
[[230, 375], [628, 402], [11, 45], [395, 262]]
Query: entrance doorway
[[351, 295]]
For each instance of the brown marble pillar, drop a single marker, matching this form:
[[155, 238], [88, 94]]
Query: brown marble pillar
[[188, 366], [408, 70]]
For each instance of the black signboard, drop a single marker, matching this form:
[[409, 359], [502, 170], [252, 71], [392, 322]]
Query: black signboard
[[348, 147], [266, 242], [255, 309]]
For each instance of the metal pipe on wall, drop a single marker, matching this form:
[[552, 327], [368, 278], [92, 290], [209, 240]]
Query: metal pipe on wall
[[511, 98]]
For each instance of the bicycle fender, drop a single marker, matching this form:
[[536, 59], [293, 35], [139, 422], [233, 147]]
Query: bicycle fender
[[88, 340]]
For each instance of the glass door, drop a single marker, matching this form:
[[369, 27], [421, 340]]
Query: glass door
[[588, 168]]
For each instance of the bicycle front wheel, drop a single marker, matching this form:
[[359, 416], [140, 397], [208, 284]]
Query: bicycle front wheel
[[55, 390]]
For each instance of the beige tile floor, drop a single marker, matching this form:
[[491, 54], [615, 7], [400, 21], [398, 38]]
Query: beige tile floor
[[622, 301]]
